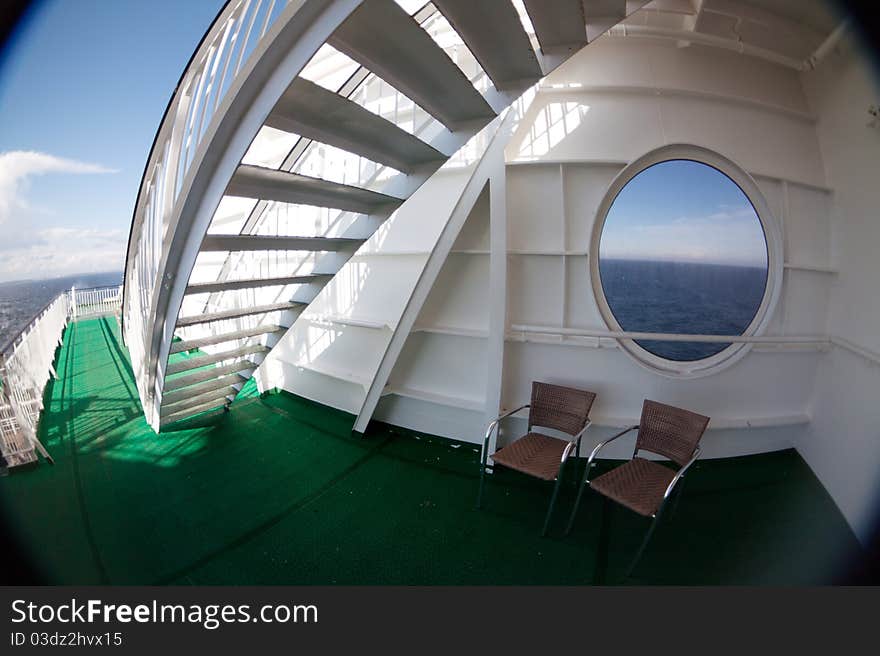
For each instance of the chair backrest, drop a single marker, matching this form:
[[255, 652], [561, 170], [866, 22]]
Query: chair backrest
[[560, 408], [670, 431]]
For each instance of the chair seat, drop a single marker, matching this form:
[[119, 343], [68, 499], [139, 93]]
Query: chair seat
[[533, 454], [638, 484]]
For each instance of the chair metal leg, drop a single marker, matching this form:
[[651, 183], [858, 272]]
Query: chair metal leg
[[484, 460], [552, 503], [603, 542], [677, 497], [482, 482], [577, 501], [647, 538]]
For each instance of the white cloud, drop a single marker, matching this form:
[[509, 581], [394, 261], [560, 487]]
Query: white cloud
[[59, 251], [725, 237], [17, 166]]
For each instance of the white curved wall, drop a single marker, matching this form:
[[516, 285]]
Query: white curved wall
[[842, 443], [610, 104]]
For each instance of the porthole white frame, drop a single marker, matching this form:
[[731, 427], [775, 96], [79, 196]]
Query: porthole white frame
[[775, 260]]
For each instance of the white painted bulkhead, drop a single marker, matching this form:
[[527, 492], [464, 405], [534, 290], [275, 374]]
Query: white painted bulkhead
[[842, 442], [333, 350], [609, 105]]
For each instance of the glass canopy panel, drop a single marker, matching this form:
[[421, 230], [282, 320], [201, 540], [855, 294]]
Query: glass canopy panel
[[411, 6], [526, 21], [208, 266], [329, 68], [230, 216], [248, 265], [381, 98], [291, 220], [237, 298], [270, 148], [448, 39], [337, 165]]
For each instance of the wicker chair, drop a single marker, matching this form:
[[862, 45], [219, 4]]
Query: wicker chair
[[642, 485], [560, 408]]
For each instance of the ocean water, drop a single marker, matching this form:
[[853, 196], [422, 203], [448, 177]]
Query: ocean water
[[677, 297], [660, 297], [21, 300]]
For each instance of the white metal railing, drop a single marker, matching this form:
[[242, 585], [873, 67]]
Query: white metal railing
[[15, 447], [236, 32], [95, 302], [619, 335], [26, 364]]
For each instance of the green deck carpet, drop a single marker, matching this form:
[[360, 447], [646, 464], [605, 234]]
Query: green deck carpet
[[278, 490]]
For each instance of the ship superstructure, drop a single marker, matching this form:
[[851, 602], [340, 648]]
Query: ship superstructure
[[388, 217]]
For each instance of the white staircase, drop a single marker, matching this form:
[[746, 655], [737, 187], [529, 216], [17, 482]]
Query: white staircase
[[224, 254]]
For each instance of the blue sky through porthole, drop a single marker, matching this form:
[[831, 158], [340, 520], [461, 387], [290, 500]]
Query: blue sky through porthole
[[683, 251]]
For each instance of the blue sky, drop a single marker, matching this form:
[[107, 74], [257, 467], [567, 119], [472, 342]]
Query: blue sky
[[83, 85], [686, 212]]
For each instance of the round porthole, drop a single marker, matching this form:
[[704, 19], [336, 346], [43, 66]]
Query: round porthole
[[685, 250]]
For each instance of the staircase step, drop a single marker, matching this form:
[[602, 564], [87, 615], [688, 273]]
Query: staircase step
[[187, 364], [198, 399], [229, 285], [282, 186], [407, 57], [188, 380], [560, 25], [269, 243], [235, 313], [312, 111], [493, 32], [215, 385], [602, 15], [190, 344], [192, 412]]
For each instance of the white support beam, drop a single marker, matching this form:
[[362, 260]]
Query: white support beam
[[497, 292], [472, 190]]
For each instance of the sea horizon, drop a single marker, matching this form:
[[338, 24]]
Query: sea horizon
[[21, 300], [664, 296], [607, 258], [645, 295]]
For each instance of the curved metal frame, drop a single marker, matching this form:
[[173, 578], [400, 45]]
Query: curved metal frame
[[296, 34], [775, 260]]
